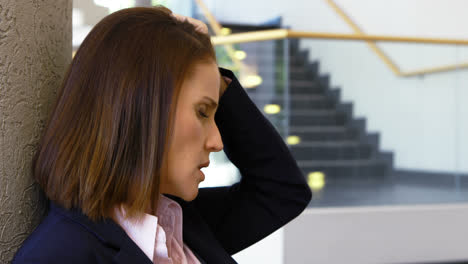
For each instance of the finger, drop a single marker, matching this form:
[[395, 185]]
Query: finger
[[199, 25]]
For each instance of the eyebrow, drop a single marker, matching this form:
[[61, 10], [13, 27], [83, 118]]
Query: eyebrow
[[212, 103]]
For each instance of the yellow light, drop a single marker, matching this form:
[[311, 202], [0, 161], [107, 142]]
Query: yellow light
[[316, 180], [240, 55], [251, 81], [73, 53], [272, 109], [225, 31], [293, 140]]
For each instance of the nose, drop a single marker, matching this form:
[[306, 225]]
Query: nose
[[213, 142]]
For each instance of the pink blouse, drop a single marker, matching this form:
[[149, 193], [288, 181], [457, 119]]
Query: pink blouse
[[160, 236]]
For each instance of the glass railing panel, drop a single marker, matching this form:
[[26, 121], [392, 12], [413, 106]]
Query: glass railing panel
[[371, 137], [461, 126]]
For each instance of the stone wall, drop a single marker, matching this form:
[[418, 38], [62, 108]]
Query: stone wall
[[35, 49]]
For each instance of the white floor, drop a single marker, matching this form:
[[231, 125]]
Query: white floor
[[378, 234], [374, 234], [269, 250]]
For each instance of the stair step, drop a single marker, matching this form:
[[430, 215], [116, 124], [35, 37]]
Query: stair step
[[303, 83], [298, 86], [297, 101], [301, 73], [296, 71], [348, 134], [260, 95], [331, 144], [372, 170], [318, 117], [270, 49], [295, 84], [331, 150], [314, 112], [328, 143], [260, 55], [255, 58], [319, 129], [337, 163], [311, 102]]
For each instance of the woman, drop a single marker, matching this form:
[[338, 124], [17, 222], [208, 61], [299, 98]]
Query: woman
[[142, 106]]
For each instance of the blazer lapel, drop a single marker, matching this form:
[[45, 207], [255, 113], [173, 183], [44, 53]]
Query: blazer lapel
[[199, 237], [110, 234], [125, 257]]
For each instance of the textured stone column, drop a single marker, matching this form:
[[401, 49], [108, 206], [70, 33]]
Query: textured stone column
[[35, 49]]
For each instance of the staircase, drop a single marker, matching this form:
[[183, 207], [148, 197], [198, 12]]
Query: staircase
[[331, 140]]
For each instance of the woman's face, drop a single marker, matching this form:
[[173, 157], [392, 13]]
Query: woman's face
[[195, 133]]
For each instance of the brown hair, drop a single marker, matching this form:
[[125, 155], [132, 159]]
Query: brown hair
[[107, 136]]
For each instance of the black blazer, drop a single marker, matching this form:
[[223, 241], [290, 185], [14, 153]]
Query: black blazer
[[220, 222]]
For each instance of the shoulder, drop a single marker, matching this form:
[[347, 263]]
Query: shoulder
[[59, 239]]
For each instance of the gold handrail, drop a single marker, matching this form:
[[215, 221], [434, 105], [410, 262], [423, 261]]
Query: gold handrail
[[379, 52], [274, 34], [252, 36], [438, 69], [385, 58]]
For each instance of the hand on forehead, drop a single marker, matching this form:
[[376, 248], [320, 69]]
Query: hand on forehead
[[199, 26]]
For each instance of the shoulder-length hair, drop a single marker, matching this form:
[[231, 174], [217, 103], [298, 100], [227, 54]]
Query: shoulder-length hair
[[107, 136]]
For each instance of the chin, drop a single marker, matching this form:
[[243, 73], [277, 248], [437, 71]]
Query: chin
[[188, 197]]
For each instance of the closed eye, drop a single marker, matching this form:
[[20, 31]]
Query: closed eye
[[203, 114]]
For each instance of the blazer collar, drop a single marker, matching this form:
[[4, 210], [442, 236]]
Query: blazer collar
[[199, 237], [109, 233]]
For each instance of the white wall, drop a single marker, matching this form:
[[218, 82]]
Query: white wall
[[420, 119]]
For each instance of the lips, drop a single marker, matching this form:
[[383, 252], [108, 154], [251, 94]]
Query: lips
[[204, 165]]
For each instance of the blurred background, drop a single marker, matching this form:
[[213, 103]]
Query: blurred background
[[371, 97]]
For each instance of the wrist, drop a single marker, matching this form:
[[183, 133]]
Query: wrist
[[225, 81]]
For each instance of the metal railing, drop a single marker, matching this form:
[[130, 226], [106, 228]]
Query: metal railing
[[359, 35]]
